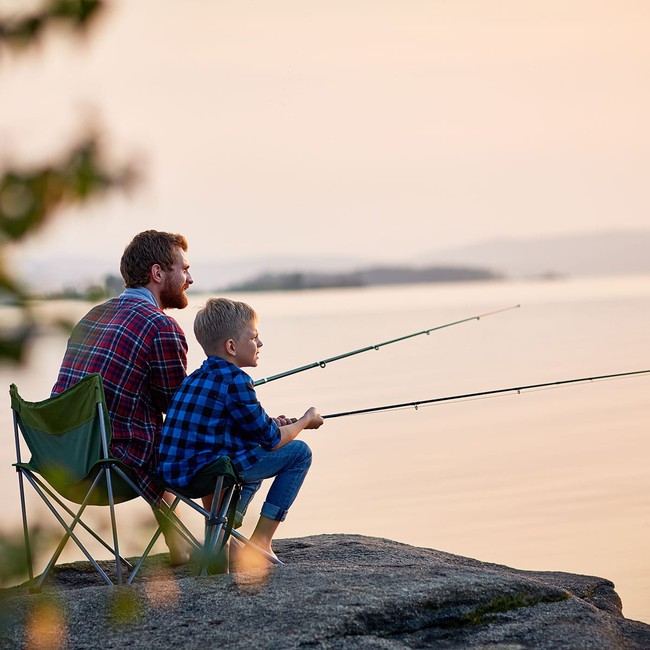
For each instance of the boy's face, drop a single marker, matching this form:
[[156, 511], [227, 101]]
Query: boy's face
[[247, 347]]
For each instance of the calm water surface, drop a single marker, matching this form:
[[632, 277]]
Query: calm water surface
[[547, 480]]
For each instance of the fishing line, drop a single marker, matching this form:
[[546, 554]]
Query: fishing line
[[463, 400], [485, 394], [377, 346]]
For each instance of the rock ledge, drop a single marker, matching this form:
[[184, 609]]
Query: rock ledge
[[336, 591]]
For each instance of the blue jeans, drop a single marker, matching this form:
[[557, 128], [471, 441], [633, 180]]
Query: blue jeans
[[289, 465]]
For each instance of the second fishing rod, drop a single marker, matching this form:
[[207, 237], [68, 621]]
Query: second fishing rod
[[323, 363]]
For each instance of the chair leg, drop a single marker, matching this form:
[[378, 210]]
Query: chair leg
[[215, 507], [164, 517], [28, 549], [224, 504], [21, 489], [217, 533], [81, 523], [214, 544], [144, 556], [111, 503], [69, 534]]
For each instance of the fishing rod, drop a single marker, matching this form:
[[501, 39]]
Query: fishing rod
[[324, 362], [485, 393]]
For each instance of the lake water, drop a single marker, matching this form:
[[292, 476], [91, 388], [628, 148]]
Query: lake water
[[546, 480]]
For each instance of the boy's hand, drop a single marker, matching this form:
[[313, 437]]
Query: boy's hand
[[314, 420], [283, 420]]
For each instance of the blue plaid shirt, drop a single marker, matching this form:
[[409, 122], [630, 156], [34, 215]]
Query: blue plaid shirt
[[214, 412]]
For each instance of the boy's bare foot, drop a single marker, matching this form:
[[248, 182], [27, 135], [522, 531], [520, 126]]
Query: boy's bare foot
[[247, 558], [250, 568]]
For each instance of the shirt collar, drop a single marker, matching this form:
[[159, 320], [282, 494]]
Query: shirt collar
[[215, 361], [141, 292]]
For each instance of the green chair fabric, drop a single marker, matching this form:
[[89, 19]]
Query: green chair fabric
[[64, 436], [204, 481], [68, 436]]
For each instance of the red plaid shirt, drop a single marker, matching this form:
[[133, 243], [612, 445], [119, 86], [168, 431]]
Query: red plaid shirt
[[141, 354]]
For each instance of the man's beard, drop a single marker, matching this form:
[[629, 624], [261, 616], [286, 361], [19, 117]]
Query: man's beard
[[172, 297]]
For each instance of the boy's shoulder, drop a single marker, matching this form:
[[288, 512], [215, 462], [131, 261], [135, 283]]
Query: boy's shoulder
[[215, 379], [215, 368]]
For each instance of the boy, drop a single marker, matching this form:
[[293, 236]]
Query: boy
[[215, 412]]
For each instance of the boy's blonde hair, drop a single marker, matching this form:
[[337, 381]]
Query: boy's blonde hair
[[221, 319]]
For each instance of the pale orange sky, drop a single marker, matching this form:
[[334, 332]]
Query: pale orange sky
[[374, 129]]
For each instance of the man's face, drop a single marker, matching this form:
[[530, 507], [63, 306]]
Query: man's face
[[177, 281]]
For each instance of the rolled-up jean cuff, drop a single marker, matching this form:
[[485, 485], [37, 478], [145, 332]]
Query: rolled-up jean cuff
[[273, 512]]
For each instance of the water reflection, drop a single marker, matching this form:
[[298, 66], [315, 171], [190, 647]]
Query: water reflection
[[553, 480]]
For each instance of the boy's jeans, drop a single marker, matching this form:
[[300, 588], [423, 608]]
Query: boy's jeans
[[289, 465]]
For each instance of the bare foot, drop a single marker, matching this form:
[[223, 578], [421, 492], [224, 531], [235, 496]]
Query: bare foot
[[180, 550], [178, 557], [250, 568], [244, 557]]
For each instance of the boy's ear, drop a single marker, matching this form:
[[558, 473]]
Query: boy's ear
[[230, 346]]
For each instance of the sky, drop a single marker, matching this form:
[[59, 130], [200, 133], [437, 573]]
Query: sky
[[344, 129]]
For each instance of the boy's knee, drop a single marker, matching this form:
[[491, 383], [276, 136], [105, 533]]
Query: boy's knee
[[303, 452]]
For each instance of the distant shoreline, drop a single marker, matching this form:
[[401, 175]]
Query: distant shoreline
[[378, 275]]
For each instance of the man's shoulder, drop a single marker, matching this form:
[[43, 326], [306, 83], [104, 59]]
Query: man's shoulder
[[133, 309]]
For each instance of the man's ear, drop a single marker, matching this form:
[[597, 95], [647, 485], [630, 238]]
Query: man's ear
[[156, 273]]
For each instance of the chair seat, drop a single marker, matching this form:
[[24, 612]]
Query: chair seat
[[204, 480]]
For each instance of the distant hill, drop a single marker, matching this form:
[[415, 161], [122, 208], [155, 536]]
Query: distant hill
[[581, 254], [361, 278]]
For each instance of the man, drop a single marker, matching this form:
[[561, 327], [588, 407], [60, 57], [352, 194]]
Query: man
[[140, 352]]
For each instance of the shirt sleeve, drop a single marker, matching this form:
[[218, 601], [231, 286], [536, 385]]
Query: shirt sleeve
[[251, 418], [168, 364]]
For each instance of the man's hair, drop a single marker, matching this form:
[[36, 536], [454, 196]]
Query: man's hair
[[146, 249], [221, 319]]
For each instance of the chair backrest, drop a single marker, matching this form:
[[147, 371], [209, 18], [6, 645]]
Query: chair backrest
[[65, 435]]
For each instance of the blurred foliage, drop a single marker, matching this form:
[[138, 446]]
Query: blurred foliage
[[30, 197], [12, 551], [23, 31], [14, 560]]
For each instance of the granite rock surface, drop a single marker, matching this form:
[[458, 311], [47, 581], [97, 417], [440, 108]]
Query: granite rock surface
[[335, 591]]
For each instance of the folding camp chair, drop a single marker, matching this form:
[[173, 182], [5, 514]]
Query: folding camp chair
[[68, 436], [219, 479]]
